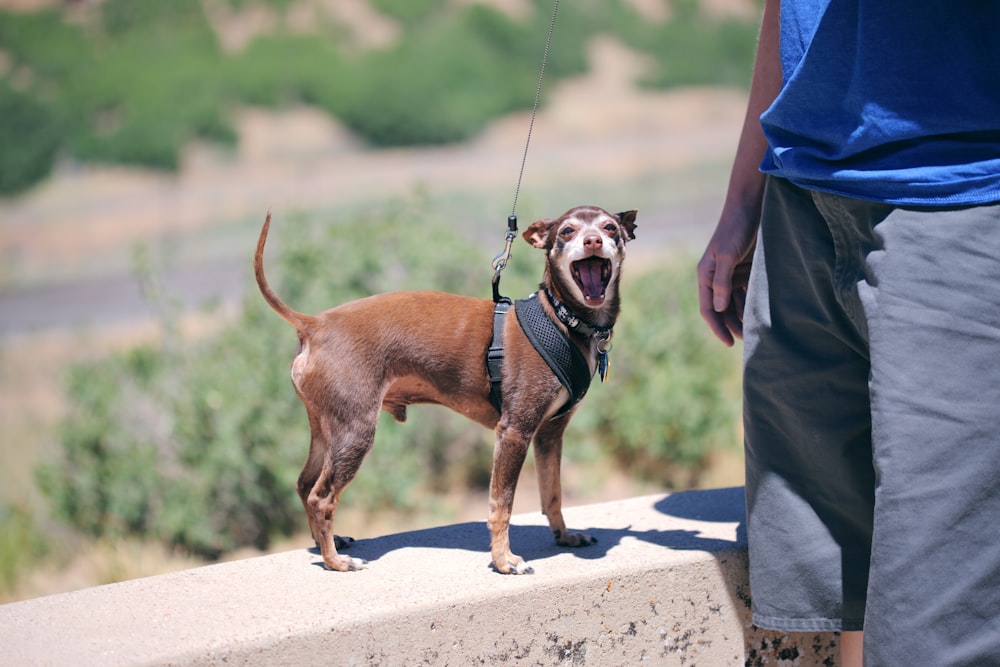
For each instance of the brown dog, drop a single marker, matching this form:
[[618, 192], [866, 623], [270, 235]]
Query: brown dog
[[392, 350]]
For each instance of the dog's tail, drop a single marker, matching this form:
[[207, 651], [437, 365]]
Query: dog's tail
[[296, 319]]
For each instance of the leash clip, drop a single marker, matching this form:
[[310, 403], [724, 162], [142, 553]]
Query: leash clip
[[501, 260]]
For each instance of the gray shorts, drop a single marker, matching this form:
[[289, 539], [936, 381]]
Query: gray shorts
[[872, 421]]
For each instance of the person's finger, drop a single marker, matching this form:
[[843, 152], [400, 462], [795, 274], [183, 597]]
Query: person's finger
[[716, 321], [722, 283], [734, 320], [706, 300]]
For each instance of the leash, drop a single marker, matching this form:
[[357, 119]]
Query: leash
[[501, 260], [494, 356]]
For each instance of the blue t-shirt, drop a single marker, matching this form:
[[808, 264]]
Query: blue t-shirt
[[889, 100]]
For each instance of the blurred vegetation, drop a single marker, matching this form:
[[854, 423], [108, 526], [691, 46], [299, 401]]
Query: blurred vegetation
[[133, 80], [199, 444], [21, 546], [676, 391]]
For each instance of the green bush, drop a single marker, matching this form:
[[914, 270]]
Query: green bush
[[199, 445], [29, 137], [410, 13], [446, 83], [155, 85], [690, 49], [52, 50], [279, 69]]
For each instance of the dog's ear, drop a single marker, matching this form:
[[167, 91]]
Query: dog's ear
[[627, 220], [537, 234]]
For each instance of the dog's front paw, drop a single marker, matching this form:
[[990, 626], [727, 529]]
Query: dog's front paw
[[573, 539], [512, 564], [344, 563]]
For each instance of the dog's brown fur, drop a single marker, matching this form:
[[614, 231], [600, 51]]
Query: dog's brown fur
[[393, 350]]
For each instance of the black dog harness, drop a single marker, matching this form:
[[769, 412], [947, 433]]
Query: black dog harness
[[552, 344]]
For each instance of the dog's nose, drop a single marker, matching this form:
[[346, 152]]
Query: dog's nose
[[593, 241]]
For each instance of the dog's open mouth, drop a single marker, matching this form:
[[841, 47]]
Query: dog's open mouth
[[592, 275]]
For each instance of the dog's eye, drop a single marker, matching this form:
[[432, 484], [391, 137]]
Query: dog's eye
[[566, 231], [611, 228]]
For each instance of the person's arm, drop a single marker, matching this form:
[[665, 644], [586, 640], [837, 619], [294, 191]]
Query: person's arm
[[724, 269]]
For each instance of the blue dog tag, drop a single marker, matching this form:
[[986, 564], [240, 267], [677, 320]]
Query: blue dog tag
[[602, 364]]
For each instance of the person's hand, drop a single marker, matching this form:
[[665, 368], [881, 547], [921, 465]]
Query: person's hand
[[723, 274]]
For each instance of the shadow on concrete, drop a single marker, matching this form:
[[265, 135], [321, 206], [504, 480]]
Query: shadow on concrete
[[534, 543], [721, 505]]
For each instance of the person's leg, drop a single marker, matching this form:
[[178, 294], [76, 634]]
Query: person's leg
[[810, 481], [933, 309], [852, 649]]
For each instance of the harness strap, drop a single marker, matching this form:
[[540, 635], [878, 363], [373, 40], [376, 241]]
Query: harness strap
[[555, 347], [494, 356], [560, 354]]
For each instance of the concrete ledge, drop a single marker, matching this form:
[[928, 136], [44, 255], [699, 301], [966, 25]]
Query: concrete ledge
[[666, 585]]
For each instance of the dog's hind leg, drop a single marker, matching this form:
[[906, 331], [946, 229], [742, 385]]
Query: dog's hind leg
[[307, 480], [548, 455], [345, 449], [311, 471]]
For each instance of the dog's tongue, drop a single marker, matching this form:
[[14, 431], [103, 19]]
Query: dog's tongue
[[591, 280]]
